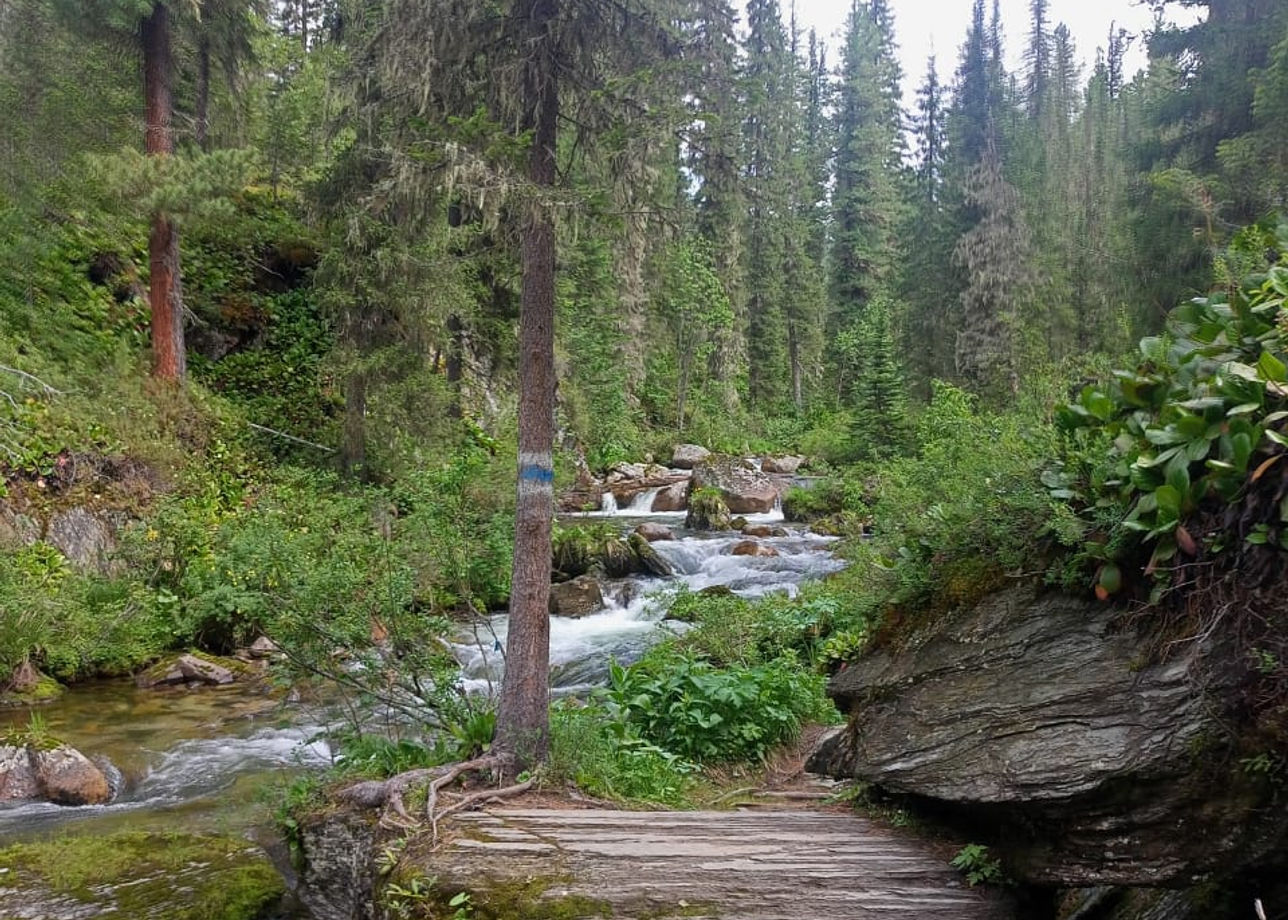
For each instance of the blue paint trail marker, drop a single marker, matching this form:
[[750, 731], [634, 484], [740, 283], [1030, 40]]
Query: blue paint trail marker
[[537, 474]]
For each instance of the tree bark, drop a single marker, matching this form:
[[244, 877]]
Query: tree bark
[[353, 447], [165, 294], [523, 714], [455, 362], [794, 353], [202, 127]]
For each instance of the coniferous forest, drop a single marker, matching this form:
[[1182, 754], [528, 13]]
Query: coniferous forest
[[340, 338]]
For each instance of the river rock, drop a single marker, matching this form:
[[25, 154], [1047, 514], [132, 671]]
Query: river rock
[[781, 464], [687, 456], [744, 490], [185, 669], [622, 472], [674, 497], [18, 780], [649, 559], [757, 530], [68, 777], [752, 548], [263, 647], [576, 598], [651, 531], [1042, 722]]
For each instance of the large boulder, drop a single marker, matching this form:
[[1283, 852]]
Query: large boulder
[[781, 464], [753, 548], [578, 597], [68, 777], [1045, 723], [744, 490], [653, 532], [674, 497], [707, 511], [648, 557], [687, 456]]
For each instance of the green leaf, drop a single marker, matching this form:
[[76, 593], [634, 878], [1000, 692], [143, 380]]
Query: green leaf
[[1244, 409], [1271, 368], [1277, 438]]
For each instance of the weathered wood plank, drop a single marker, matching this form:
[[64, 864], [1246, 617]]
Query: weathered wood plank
[[751, 865]]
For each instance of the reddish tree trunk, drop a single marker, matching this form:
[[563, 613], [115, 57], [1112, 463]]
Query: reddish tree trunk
[[523, 715], [165, 294]]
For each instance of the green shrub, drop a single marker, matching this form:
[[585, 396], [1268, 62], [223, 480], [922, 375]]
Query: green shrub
[[705, 714], [606, 758], [1198, 420]]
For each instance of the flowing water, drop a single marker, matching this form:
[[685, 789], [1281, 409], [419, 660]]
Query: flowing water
[[195, 760], [633, 616]]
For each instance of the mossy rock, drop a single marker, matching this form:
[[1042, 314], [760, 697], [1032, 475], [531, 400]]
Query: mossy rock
[[140, 876], [44, 690], [707, 511], [158, 674]]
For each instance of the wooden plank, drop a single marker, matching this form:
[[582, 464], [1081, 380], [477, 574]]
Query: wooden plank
[[751, 865]]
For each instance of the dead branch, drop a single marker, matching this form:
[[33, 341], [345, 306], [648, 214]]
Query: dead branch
[[26, 378]]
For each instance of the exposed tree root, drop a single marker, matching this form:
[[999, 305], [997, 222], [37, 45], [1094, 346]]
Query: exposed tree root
[[388, 794]]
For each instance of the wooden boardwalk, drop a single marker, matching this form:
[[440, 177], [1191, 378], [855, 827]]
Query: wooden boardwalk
[[788, 864]]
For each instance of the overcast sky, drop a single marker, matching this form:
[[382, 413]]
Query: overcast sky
[[940, 25]]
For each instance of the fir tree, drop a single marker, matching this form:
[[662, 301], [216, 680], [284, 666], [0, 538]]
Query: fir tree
[[867, 199]]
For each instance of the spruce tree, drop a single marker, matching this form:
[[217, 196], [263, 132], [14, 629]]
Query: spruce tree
[[867, 200], [768, 93]]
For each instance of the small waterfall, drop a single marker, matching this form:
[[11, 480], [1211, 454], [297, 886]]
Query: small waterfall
[[608, 505], [642, 502]]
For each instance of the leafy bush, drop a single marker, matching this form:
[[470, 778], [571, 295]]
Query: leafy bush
[[1200, 417], [693, 709]]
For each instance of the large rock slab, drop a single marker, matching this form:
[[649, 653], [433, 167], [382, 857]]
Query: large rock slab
[[137, 876], [764, 865], [86, 538], [1043, 718], [687, 456], [185, 669], [744, 490]]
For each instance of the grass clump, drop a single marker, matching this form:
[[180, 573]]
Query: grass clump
[[606, 758]]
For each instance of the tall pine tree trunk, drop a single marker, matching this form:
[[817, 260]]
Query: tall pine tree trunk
[[523, 714], [353, 446], [165, 294]]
